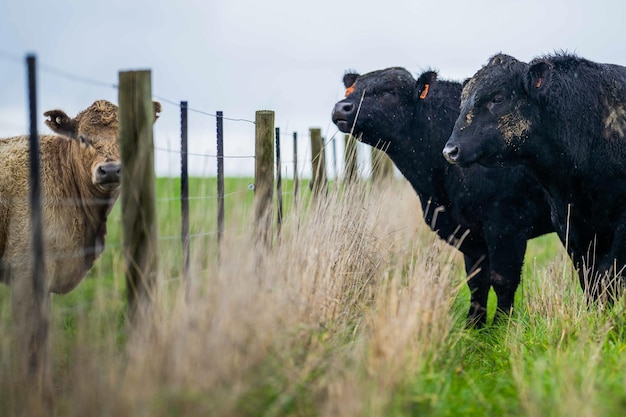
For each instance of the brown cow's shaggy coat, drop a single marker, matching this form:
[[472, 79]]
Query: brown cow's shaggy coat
[[80, 174]]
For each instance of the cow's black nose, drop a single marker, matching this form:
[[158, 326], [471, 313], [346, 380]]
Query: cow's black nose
[[451, 153], [346, 108], [108, 173], [343, 110], [344, 114]]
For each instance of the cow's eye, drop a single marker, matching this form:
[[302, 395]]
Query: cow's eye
[[497, 99], [83, 140]]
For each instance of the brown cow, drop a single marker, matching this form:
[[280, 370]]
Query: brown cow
[[80, 182]]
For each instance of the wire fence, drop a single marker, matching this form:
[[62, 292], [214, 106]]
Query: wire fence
[[79, 234], [294, 166], [204, 163]]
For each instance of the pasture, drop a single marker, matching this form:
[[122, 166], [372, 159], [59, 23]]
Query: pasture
[[359, 310]]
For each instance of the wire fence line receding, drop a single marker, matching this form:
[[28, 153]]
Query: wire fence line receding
[[297, 165], [136, 115], [286, 165]]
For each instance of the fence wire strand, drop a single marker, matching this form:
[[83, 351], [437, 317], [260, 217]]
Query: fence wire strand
[[67, 75]]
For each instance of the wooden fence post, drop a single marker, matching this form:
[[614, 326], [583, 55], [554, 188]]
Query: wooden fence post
[[382, 165], [318, 164], [136, 116], [350, 158], [264, 176]]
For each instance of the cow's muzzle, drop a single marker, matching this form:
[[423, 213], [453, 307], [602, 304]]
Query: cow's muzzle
[[108, 173], [343, 113], [451, 153]]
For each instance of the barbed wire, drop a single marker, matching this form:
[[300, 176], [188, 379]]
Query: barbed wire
[[4, 55], [114, 244], [199, 235], [209, 197], [192, 109], [156, 148], [90, 81], [80, 202], [73, 77], [7, 56], [95, 202]]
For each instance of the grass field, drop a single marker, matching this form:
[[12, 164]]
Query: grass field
[[358, 310]]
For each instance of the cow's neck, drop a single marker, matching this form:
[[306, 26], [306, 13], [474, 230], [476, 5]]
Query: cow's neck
[[422, 164], [94, 204], [554, 162]]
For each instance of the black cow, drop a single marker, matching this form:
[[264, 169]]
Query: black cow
[[564, 118], [488, 213]]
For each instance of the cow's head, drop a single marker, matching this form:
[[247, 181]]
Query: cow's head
[[499, 108], [378, 106], [94, 132]]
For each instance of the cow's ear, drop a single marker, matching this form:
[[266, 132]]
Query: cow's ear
[[61, 123], [423, 85], [157, 110], [349, 78], [538, 78]]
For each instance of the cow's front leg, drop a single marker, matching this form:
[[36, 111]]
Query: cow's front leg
[[507, 260], [477, 269]]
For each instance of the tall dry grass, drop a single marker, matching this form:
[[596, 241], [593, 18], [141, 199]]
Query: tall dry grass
[[354, 301], [358, 310]]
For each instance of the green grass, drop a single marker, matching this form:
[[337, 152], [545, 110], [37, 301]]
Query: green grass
[[357, 311]]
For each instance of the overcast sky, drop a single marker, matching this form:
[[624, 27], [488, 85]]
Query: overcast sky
[[283, 55]]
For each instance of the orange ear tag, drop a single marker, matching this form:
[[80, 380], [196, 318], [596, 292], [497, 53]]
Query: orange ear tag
[[349, 90], [538, 83], [424, 92]]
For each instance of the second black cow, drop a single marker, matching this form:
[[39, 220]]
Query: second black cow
[[564, 118], [488, 213]]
